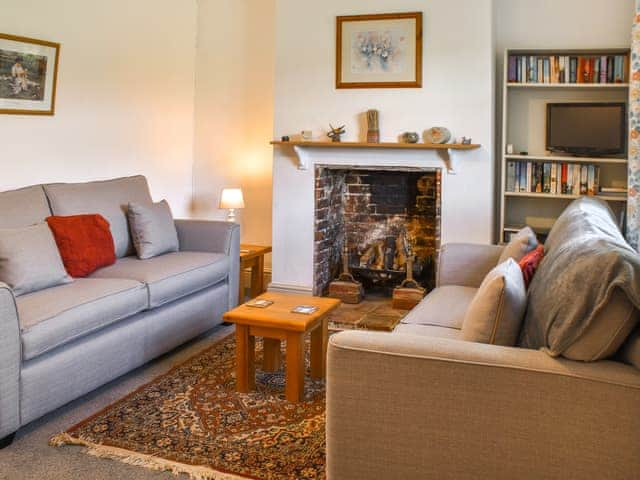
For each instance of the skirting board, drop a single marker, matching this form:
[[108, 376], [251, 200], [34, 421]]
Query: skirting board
[[286, 288]]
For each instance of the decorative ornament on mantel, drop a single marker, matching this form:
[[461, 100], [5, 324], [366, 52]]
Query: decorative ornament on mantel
[[437, 135], [410, 137], [335, 133], [373, 127]]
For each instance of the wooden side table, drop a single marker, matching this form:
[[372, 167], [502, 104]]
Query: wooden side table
[[276, 323], [252, 256]]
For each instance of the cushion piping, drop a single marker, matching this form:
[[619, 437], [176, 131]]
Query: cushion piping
[[497, 319]]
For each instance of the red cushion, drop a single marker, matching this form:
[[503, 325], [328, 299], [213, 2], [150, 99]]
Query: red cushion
[[529, 263], [84, 241]]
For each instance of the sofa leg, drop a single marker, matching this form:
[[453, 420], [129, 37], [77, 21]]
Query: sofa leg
[[6, 441]]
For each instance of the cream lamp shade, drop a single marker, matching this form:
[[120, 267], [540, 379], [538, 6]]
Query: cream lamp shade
[[231, 198]]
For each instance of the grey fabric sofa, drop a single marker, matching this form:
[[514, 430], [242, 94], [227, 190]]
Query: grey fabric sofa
[[422, 403], [62, 342]]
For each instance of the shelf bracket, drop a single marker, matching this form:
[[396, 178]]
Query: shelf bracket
[[302, 156], [448, 159]]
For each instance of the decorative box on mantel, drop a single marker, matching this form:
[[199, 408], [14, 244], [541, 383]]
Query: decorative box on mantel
[[443, 149]]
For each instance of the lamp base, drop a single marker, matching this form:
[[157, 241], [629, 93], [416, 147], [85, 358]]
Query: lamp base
[[231, 216]]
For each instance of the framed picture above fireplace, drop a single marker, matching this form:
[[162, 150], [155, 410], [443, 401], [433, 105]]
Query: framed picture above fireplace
[[379, 51]]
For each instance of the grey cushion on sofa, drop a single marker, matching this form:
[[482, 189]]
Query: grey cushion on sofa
[[109, 198], [23, 207], [522, 243], [30, 260], [152, 229], [55, 316], [171, 276]]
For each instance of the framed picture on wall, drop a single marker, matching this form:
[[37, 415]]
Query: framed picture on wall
[[28, 73], [379, 51]]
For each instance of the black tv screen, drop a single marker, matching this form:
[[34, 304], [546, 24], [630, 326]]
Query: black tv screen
[[587, 128]]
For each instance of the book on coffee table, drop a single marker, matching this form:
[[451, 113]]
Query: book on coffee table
[[259, 303], [305, 309]]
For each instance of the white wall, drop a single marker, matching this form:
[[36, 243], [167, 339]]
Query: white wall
[[457, 92], [125, 95], [234, 110]]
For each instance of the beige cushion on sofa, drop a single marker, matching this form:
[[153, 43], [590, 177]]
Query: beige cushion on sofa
[[495, 313], [522, 243], [607, 331]]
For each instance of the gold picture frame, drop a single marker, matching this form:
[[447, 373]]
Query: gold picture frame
[[379, 50], [28, 75]]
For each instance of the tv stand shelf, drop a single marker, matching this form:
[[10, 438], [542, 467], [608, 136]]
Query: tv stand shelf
[[524, 122]]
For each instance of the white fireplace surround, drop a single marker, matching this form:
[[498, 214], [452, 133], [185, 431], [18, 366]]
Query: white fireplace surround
[[467, 203]]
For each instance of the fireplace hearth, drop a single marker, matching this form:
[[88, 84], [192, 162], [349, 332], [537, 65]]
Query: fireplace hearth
[[374, 219]]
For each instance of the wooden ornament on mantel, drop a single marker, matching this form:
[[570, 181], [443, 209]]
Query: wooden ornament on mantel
[[373, 127]]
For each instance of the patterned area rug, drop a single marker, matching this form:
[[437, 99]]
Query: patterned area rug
[[191, 420]]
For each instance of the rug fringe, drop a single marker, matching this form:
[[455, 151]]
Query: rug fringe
[[141, 460]]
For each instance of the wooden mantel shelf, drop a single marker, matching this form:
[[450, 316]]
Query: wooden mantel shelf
[[442, 148]]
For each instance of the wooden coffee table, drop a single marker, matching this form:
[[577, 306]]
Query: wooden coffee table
[[276, 323]]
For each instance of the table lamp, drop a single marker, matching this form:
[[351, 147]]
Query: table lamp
[[231, 198]]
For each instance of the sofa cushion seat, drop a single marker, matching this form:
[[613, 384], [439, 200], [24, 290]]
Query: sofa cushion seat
[[444, 306], [55, 316], [429, 331], [171, 276]]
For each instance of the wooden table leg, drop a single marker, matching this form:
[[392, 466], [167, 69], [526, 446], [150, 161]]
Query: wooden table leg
[[245, 356], [319, 340], [271, 355], [257, 277], [294, 388], [240, 285]]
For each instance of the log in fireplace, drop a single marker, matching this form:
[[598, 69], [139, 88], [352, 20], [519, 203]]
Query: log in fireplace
[[377, 217]]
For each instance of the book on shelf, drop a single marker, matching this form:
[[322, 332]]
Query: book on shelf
[[555, 69], [556, 178]]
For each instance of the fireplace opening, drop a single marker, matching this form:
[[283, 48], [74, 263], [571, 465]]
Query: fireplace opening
[[372, 223]]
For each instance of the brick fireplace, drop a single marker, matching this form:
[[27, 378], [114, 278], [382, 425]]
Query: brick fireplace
[[377, 216]]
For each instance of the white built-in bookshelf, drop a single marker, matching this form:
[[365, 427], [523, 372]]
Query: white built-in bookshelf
[[524, 127]]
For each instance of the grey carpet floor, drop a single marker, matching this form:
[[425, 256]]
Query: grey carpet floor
[[30, 456]]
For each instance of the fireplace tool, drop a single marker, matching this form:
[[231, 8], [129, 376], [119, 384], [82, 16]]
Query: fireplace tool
[[345, 287], [409, 293]]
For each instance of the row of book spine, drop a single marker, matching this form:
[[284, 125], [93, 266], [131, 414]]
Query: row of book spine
[[553, 178], [568, 69]]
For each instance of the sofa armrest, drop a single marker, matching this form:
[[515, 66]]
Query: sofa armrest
[[215, 237], [401, 406], [466, 264], [9, 363]]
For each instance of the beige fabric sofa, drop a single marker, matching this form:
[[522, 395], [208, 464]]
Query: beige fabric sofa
[[419, 403]]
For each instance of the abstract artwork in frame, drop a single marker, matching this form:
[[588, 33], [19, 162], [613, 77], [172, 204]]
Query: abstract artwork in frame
[[28, 73], [379, 51]]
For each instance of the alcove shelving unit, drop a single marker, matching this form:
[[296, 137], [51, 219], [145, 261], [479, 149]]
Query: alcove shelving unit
[[524, 127]]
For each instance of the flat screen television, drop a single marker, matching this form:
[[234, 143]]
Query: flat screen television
[[594, 129]]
